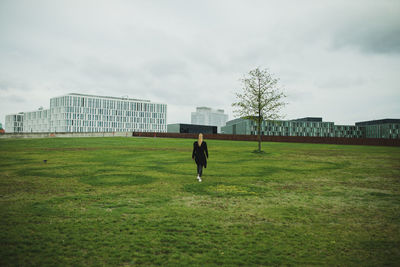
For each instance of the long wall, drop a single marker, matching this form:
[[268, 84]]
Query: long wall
[[47, 135], [234, 137], [290, 139]]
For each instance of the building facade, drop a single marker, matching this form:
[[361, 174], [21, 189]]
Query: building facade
[[309, 126], [14, 123], [386, 128], [209, 116], [37, 121], [91, 113]]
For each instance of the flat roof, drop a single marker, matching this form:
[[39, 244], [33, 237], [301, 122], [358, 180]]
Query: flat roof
[[110, 97], [189, 124], [375, 122], [309, 119]]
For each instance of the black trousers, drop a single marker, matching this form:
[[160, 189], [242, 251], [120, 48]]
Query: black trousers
[[199, 169]]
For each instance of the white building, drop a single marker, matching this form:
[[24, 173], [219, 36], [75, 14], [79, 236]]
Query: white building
[[36, 121], [209, 116], [14, 123], [91, 113]]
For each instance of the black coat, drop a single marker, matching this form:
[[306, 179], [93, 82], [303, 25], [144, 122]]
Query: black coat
[[200, 153]]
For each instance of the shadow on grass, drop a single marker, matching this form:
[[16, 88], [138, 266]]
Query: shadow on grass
[[259, 152], [77, 206], [220, 189], [118, 179]]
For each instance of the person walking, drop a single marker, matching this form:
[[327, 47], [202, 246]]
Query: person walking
[[200, 155]]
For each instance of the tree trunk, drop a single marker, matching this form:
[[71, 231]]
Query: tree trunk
[[259, 134], [259, 115]]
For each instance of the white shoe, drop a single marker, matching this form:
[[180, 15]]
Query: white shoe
[[199, 179]]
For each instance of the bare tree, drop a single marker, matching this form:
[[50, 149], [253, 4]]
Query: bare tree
[[260, 99]]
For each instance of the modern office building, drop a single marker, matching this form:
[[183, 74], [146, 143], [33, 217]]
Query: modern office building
[[386, 128], [37, 121], [209, 116], [309, 126], [191, 128], [91, 113], [14, 123]]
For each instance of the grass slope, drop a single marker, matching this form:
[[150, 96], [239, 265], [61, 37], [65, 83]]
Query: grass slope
[[135, 201]]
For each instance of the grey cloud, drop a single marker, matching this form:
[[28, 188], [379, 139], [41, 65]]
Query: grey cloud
[[343, 82], [381, 40], [13, 99], [189, 54], [372, 27], [164, 68]]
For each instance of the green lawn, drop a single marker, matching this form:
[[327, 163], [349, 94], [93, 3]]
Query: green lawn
[[136, 201]]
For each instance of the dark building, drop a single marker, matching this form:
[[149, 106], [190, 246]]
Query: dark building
[[309, 119], [191, 128], [375, 122], [385, 128], [314, 126]]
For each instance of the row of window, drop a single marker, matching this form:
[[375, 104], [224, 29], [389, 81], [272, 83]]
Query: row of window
[[294, 134], [297, 129], [336, 134], [297, 124], [348, 130], [14, 118], [40, 114], [111, 128], [104, 111], [99, 130], [102, 103], [107, 124], [114, 116]]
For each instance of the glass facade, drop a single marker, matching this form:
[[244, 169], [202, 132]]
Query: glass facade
[[89, 113], [314, 127], [386, 128]]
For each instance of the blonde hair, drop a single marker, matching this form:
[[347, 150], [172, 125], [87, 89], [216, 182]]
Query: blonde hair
[[200, 140]]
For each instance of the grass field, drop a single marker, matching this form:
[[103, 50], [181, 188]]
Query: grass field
[[136, 201]]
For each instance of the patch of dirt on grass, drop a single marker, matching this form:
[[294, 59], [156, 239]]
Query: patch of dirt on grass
[[162, 149], [72, 148]]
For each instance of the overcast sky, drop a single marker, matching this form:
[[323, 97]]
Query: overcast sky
[[339, 59]]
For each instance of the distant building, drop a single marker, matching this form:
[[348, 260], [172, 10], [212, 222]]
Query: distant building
[[386, 128], [37, 121], [310, 126], [92, 113], [191, 128], [209, 116], [14, 123]]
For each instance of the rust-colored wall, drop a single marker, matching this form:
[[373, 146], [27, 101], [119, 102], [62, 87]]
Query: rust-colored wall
[[293, 139]]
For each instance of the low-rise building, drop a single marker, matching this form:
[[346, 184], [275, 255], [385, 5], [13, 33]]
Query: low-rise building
[[309, 126], [37, 121], [14, 123], [386, 128], [191, 128]]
